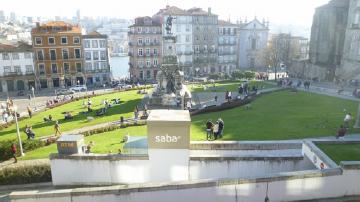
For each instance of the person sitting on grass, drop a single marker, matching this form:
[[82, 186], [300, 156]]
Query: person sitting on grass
[[341, 132], [68, 116], [101, 112], [89, 146], [29, 132]]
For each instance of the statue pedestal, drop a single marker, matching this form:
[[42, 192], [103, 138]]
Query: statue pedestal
[[168, 100]]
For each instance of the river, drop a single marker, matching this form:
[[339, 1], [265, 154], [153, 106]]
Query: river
[[120, 66]]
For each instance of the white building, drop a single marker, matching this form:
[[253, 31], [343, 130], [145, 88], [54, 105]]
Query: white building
[[16, 67], [227, 47], [253, 37], [96, 59]]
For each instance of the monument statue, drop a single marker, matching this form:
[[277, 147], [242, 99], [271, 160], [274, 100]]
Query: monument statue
[[168, 25]]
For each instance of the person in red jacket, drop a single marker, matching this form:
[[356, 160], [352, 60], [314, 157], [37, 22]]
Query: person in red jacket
[[13, 152]]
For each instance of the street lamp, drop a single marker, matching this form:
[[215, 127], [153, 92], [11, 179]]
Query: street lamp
[[18, 131], [357, 123], [33, 95]]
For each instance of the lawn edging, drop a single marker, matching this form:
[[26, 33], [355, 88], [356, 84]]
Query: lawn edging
[[233, 104]]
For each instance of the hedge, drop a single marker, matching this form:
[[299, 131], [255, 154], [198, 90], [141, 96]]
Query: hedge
[[28, 145], [25, 174]]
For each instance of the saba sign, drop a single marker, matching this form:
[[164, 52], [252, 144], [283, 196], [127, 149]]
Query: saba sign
[[169, 129]]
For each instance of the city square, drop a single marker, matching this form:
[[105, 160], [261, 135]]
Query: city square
[[205, 110]]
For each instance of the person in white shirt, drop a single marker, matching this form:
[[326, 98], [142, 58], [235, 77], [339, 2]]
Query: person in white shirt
[[347, 120]]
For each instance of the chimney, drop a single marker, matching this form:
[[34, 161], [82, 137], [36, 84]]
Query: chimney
[[209, 11]]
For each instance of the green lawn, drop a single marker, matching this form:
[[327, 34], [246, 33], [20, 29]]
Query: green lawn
[[227, 86], [108, 142], [129, 99], [280, 116], [341, 152], [277, 116]]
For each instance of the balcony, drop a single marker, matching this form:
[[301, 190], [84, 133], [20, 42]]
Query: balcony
[[17, 73], [144, 32], [29, 73], [97, 71], [227, 53]]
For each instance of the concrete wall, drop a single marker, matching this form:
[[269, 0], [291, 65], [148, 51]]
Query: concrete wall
[[305, 185]]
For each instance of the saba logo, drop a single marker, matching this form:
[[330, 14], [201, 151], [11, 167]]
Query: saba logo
[[167, 138]]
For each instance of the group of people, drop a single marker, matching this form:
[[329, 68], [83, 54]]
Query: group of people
[[214, 131], [344, 127], [8, 110]]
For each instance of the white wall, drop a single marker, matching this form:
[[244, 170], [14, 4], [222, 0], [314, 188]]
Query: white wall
[[293, 187], [22, 62]]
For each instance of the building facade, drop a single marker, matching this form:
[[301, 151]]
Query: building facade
[[327, 38], [58, 54], [145, 49], [96, 59], [351, 56], [253, 38], [205, 41], [16, 67], [227, 47]]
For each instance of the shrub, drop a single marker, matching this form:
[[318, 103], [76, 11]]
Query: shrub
[[28, 145], [25, 174]]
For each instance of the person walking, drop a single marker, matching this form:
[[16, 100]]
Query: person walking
[[209, 129], [57, 128], [347, 120], [216, 130], [13, 152], [29, 111]]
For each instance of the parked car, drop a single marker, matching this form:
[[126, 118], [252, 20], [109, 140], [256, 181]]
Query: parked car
[[64, 92], [78, 88], [123, 86], [356, 92]]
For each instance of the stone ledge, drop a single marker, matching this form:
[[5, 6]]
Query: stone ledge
[[109, 157], [126, 189], [328, 161], [246, 145], [350, 165], [245, 158]]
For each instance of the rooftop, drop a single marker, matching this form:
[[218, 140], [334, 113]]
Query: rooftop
[[19, 47], [56, 27], [94, 34], [225, 23]]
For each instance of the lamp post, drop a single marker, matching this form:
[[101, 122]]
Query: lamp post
[[357, 123], [33, 95], [18, 131]]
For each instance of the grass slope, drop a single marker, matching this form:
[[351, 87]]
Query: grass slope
[[341, 152]]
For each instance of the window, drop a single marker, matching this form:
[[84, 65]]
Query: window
[[155, 62], [52, 54], [148, 51], [155, 51], [76, 40], [63, 40], [187, 39], [51, 41], [65, 54], [38, 40], [95, 55], [87, 43], [196, 48], [155, 41], [178, 28], [54, 68], [253, 44], [5, 56], [29, 69], [103, 65], [88, 66], [94, 43], [102, 43], [66, 68], [43, 83], [102, 55], [77, 53], [40, 55], [140, 63], [78, 67], [17, 69], [147, 30], [41, 69], [27, 55], [15, 56], [147, 40], [140, 41], [139, 29], [96, 65], [148, 64], [7, 69], [140, 52], [141, 75], [148, 74], [154, 30], [188, 28], [87, 55]]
